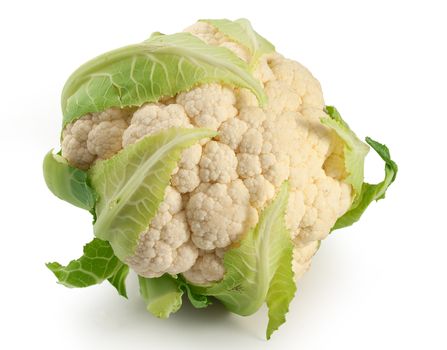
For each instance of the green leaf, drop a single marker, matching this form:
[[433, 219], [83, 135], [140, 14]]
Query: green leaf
[[131, 185], [118, 280], [68, 183], [97, 264], [370, 192], [281, 292], [355, 150], [162, 295], [161, 66], [242, 32], [260, 265], [199, 301]]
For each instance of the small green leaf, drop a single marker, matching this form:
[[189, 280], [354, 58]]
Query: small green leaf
[[68, 183], [131, 185], [243, 33], [370, 192], [97, 264], [199, 301], [118, 280], [355, 150], [161, 66], [163, 295], [281, 292]]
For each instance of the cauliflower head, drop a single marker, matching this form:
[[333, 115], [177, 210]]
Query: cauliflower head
[[237, 146]]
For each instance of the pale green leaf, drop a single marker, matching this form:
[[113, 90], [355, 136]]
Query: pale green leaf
[[355, 150], [260, 264], [281, 292], [199, 301], [242, 32], [68, 183], [162, 295], [370, 192], [161, 66], [131, 185]]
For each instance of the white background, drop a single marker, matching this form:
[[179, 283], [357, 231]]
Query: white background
[[378, 285]]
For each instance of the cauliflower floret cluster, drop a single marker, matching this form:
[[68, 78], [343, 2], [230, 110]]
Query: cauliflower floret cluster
[[95, 136], [221, 185], [166, 245]]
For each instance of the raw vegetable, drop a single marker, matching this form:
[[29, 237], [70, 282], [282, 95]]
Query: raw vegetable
[[212, 168]]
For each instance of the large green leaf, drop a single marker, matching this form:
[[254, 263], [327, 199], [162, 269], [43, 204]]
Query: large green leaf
[[260, 268], [68, 183], [161, 66], [355, 150], [242, 32], [370, 192], [97, 264], [162, 295], [131, 185]]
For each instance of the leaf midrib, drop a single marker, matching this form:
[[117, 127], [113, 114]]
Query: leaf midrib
[[86, 71], [211, 60]]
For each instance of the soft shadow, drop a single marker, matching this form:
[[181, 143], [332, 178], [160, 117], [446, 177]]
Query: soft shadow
[[106, 312], [102, 311]]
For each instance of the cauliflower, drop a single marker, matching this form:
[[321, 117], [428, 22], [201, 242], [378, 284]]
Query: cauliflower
[[228, 178], [273, 167]]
